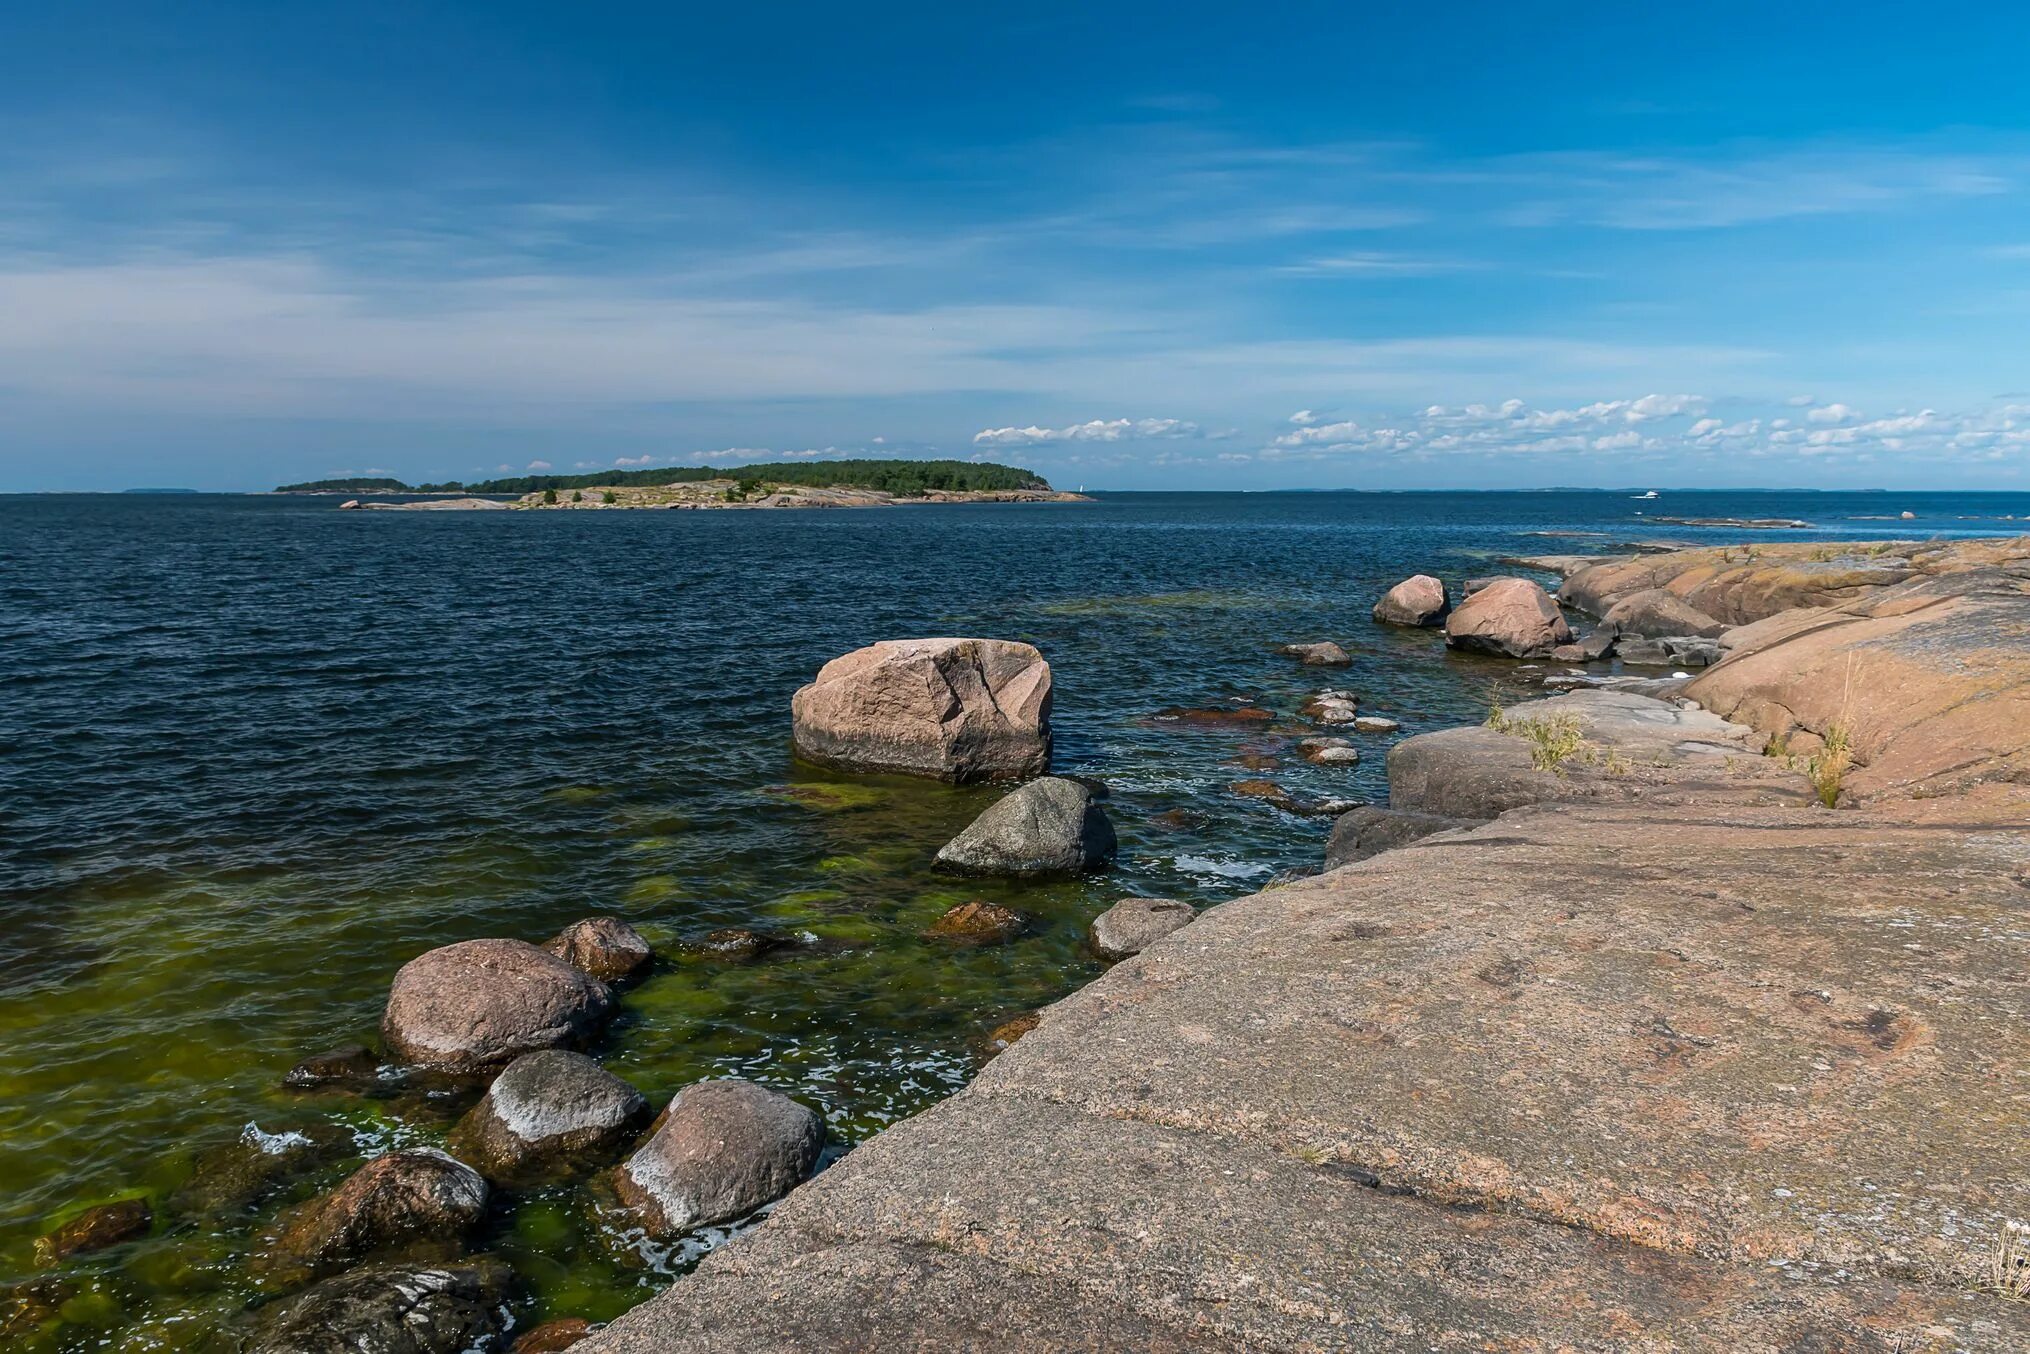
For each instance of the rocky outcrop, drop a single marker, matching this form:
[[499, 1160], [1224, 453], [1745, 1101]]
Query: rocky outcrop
[[550, 1115], [1324, 654], [417, 1199], [721, 1150], [1654, 613], [959, 710], [1133, 924], [606, 948], [393, 1309], [1599, 1078], [480, 1004], [1051, 826], [1590, 746], [1370, 830], [1511, 617], [1419, 600]]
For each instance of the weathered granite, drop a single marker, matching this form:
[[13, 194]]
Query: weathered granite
[[953, 709], [478, 1005]]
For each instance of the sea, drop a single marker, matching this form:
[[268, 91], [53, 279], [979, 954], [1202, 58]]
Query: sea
[[257, 753]]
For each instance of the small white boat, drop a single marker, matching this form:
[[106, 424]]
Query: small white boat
[[1651, 494]]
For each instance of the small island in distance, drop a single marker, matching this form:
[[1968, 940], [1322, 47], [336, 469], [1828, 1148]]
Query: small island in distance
[[834, 484]]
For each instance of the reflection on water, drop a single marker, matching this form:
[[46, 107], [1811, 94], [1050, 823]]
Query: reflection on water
[[258, 754]]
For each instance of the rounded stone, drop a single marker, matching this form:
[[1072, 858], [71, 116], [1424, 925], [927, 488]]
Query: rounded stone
[[1051, 826], [955, 709], [415, 1195], [1418, 600], [393, 1309], [978, 922], [1133, 924], [480, 1004], [721, 1150], [551, 1113]]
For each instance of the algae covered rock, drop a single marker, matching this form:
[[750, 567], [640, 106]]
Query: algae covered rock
[[1323, 654], [95, 1229], [393, 1309], [959, 710], [1052, 826], [978, 923], [480, 1004], [416, 1196], [552, 1113], [721, 1150]]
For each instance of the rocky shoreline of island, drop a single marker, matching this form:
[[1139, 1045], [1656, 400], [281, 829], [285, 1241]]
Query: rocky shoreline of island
[[1612, 998], [1689, 1017], [715, 496]]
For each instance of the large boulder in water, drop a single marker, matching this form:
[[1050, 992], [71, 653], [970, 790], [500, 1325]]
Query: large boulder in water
[[393, 1309], [417, 1198], [607, 948], [1510, 616], [550, 1114], [1418, 600], [721, 1150], [955, 709], [1133, 924], [1051, 826], [480, 1004]]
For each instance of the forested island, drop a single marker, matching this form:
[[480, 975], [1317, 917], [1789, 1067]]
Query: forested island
[[904, 479]]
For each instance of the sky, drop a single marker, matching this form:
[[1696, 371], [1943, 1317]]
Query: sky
[[1182, 246]]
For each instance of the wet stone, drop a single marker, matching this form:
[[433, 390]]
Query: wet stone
[[95, 1229], [978, 923], [348, 1066]]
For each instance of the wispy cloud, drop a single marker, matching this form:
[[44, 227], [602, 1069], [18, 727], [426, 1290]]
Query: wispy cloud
[[1097, 430]]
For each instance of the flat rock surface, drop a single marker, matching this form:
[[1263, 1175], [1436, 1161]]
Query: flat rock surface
[[1518, 1087], [1636, 749]]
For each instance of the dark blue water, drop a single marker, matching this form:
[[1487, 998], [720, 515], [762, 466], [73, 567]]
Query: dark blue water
[[256, 753]]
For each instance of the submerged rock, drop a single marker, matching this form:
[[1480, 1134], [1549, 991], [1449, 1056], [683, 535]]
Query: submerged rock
[[742, 944], [1215, 718], [553, 1336], [954, 709], [95, 1229], [232, 1177], [1510, 616], [393, 1309], [1369, 831], [978, 923], [1051, 826], [1008, 1031], [480, 1004], [606, 948], [721, 1150], [1324, 654], [417, 1196], [1418, 600], [346, 1065], [1375, 724], [1133, 924], [552, 1113]]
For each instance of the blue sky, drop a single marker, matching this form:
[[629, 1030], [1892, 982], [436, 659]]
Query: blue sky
[[1177, 246]]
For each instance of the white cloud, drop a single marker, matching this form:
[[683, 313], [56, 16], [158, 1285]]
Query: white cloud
[[1831, 413], [1303, 418], [1097, 430], [539, 465]]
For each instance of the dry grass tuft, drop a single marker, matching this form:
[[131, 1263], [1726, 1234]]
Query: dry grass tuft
[[2009, 1266]]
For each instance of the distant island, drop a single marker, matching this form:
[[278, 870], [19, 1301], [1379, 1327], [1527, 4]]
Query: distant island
[[160, 491], [904, 479], [835, 484]]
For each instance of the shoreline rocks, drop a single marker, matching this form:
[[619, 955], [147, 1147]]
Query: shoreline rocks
[[1510, 617], [978, 923], [1369, 831], [1419, 601], [1324, 654], [551, 1114], [605, 948], [392, 1309], [721, 1150], [479, 1004], [959, 710], [1133, 924], [412, 1197], [1051, 826], [95, 1229]]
